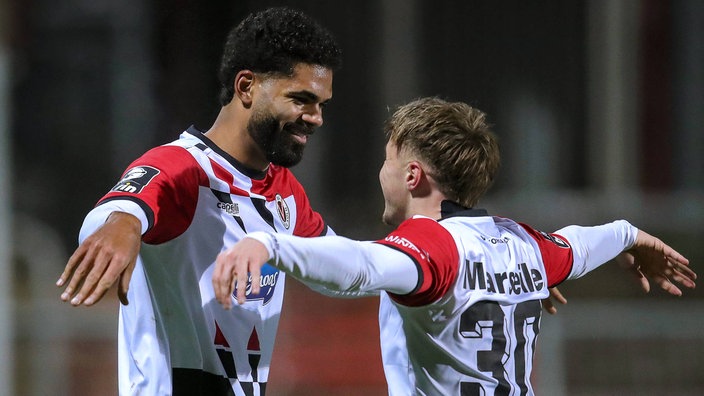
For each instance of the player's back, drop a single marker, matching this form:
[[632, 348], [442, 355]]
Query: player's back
[[481, 334]]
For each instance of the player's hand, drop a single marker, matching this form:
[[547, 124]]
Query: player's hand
[[548, 303], [652, 259], [109, 254], [233, 267]]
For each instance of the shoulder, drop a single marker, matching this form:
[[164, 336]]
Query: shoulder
[[170, 159], [434, 251], [159, 167]]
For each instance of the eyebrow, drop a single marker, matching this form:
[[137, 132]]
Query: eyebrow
[[309, 96]]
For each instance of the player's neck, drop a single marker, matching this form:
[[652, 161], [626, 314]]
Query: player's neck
[[229, 132], [428, 206]]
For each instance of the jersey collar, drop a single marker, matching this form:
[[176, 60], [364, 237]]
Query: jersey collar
[[245, 170], [453, 209]]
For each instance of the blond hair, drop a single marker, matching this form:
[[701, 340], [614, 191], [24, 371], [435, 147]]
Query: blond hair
[[453, 140]]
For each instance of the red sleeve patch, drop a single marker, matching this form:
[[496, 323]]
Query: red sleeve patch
[[165, 182], [556, 253], [434, 252]]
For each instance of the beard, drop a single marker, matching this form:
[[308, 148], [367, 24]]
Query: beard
[[277, 142]]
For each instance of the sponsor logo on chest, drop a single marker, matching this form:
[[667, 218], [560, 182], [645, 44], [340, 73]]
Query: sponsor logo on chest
[[233, 209], [267, 284]]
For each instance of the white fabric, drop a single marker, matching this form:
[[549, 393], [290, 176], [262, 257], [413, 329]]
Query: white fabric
[[99, 215], [594, 246], [341, 264]]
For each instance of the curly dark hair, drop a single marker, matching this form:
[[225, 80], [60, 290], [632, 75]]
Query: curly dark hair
[[275, 41]]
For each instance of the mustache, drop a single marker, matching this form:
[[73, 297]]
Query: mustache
[[300, 129]]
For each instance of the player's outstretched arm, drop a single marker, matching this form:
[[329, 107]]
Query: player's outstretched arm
[[351, 268], [106, 256], [651, 259]]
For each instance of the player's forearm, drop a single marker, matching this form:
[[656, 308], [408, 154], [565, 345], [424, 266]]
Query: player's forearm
[[342, 266], [594, 246]]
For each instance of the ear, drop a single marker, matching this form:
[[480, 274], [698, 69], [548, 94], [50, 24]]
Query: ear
[[244, 83], [414, 175]]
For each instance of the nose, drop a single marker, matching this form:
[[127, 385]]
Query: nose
[[314, 115]]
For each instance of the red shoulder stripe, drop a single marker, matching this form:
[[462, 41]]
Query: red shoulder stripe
[[556, 253]]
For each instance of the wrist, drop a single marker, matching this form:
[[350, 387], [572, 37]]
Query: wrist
[[268, 240], [126, 220]]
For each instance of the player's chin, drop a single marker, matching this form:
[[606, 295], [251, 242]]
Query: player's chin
[[388, 218], [288, 157]]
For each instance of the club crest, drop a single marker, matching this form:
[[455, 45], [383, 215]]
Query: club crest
[[282, 209]]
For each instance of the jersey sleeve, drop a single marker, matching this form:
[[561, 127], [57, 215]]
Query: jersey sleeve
[[556, 253], [338, 266], [164, 182], [573, 251], [593, 246], [434, 252]]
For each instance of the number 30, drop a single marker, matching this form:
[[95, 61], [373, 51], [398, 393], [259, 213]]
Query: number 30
[[485, 316]]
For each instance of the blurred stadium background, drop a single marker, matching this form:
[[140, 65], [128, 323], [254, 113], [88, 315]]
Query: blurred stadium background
[[599, 106]]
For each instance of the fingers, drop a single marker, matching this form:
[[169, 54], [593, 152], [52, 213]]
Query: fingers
[[652, 259], [683, 277], [238, 268], [549, 307], [680, 267], [75, 259], [82, 272], [241, 286], [667, 286], [638, 275], [675, 267], [557, 295], [230, 275], [92, 270], [548, 303], [223, 280], [678, 272], [667, 273], [233, 275], [106, 271], [256, 278]]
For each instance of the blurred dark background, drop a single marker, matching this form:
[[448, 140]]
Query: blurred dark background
[[599, 107]]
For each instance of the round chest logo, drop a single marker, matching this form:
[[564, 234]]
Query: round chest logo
[[282, 209]]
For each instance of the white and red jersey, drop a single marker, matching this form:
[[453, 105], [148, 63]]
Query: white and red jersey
[[174, 337], [471, 324], [460, 308]]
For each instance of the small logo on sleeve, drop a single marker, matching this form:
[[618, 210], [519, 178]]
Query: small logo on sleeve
[[405, 243], [554, 239], [136, 179]]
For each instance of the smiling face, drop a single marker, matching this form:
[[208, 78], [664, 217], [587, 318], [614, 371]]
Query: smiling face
[[288, 110]]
